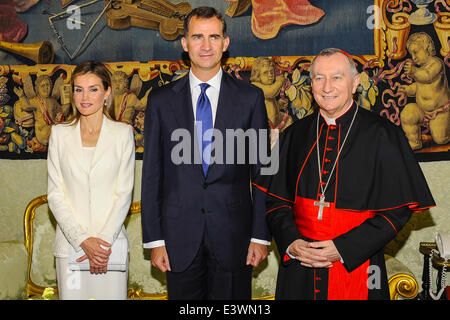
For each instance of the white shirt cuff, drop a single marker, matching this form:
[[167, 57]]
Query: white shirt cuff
[[267, 243], [154, 244], [290, 255]]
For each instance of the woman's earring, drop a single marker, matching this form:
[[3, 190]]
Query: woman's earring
[[106, 103]]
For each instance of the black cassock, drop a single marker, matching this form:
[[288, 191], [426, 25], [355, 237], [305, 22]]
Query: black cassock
[[375, 187]]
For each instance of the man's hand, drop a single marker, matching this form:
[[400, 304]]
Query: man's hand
[[160, 259], [320, 254], [257, 252], [326, 249]]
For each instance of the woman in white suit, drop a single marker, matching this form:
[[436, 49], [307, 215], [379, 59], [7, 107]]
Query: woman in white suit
[[90, 180]]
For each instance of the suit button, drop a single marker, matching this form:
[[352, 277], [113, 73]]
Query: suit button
[[205, 185], [203, 210]]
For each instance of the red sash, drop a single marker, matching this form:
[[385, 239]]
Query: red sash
[[341, 284]]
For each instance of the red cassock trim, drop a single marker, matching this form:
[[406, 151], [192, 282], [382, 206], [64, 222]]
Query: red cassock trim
[[259, 187], [390, 222], [342, 285], [413, 206], [267, 191], [277, 208]]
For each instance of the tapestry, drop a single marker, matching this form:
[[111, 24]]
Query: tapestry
[[149, 30], [400, 47]]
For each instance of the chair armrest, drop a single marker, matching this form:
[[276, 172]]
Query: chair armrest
[[401, 280]]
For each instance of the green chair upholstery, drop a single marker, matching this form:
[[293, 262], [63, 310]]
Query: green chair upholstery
[[13, 266]]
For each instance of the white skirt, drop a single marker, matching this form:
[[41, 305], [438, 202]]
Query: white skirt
[[82, 285]]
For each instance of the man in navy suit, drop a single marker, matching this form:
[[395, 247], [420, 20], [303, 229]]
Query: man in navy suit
[[203, 221]]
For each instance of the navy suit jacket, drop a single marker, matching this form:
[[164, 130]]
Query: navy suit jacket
[[178, 201]]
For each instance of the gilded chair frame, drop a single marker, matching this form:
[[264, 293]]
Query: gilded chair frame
[[404, 285]]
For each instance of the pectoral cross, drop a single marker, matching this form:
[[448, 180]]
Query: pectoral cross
[[321, 204]]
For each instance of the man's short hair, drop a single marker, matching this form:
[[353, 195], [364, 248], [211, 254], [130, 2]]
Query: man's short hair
[[205, 13], [329, 52]]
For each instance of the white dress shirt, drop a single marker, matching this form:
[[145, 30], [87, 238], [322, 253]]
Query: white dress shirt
[[213, 95]]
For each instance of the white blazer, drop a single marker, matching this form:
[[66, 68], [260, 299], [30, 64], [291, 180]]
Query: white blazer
[[89, 201]]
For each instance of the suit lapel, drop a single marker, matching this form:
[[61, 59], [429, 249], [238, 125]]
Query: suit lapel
[[182, 109], [227, 111], [102, 146], [225, 106], [74, 142], [181, 104]]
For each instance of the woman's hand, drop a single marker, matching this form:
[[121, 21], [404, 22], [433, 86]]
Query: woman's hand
[[97, 255]]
